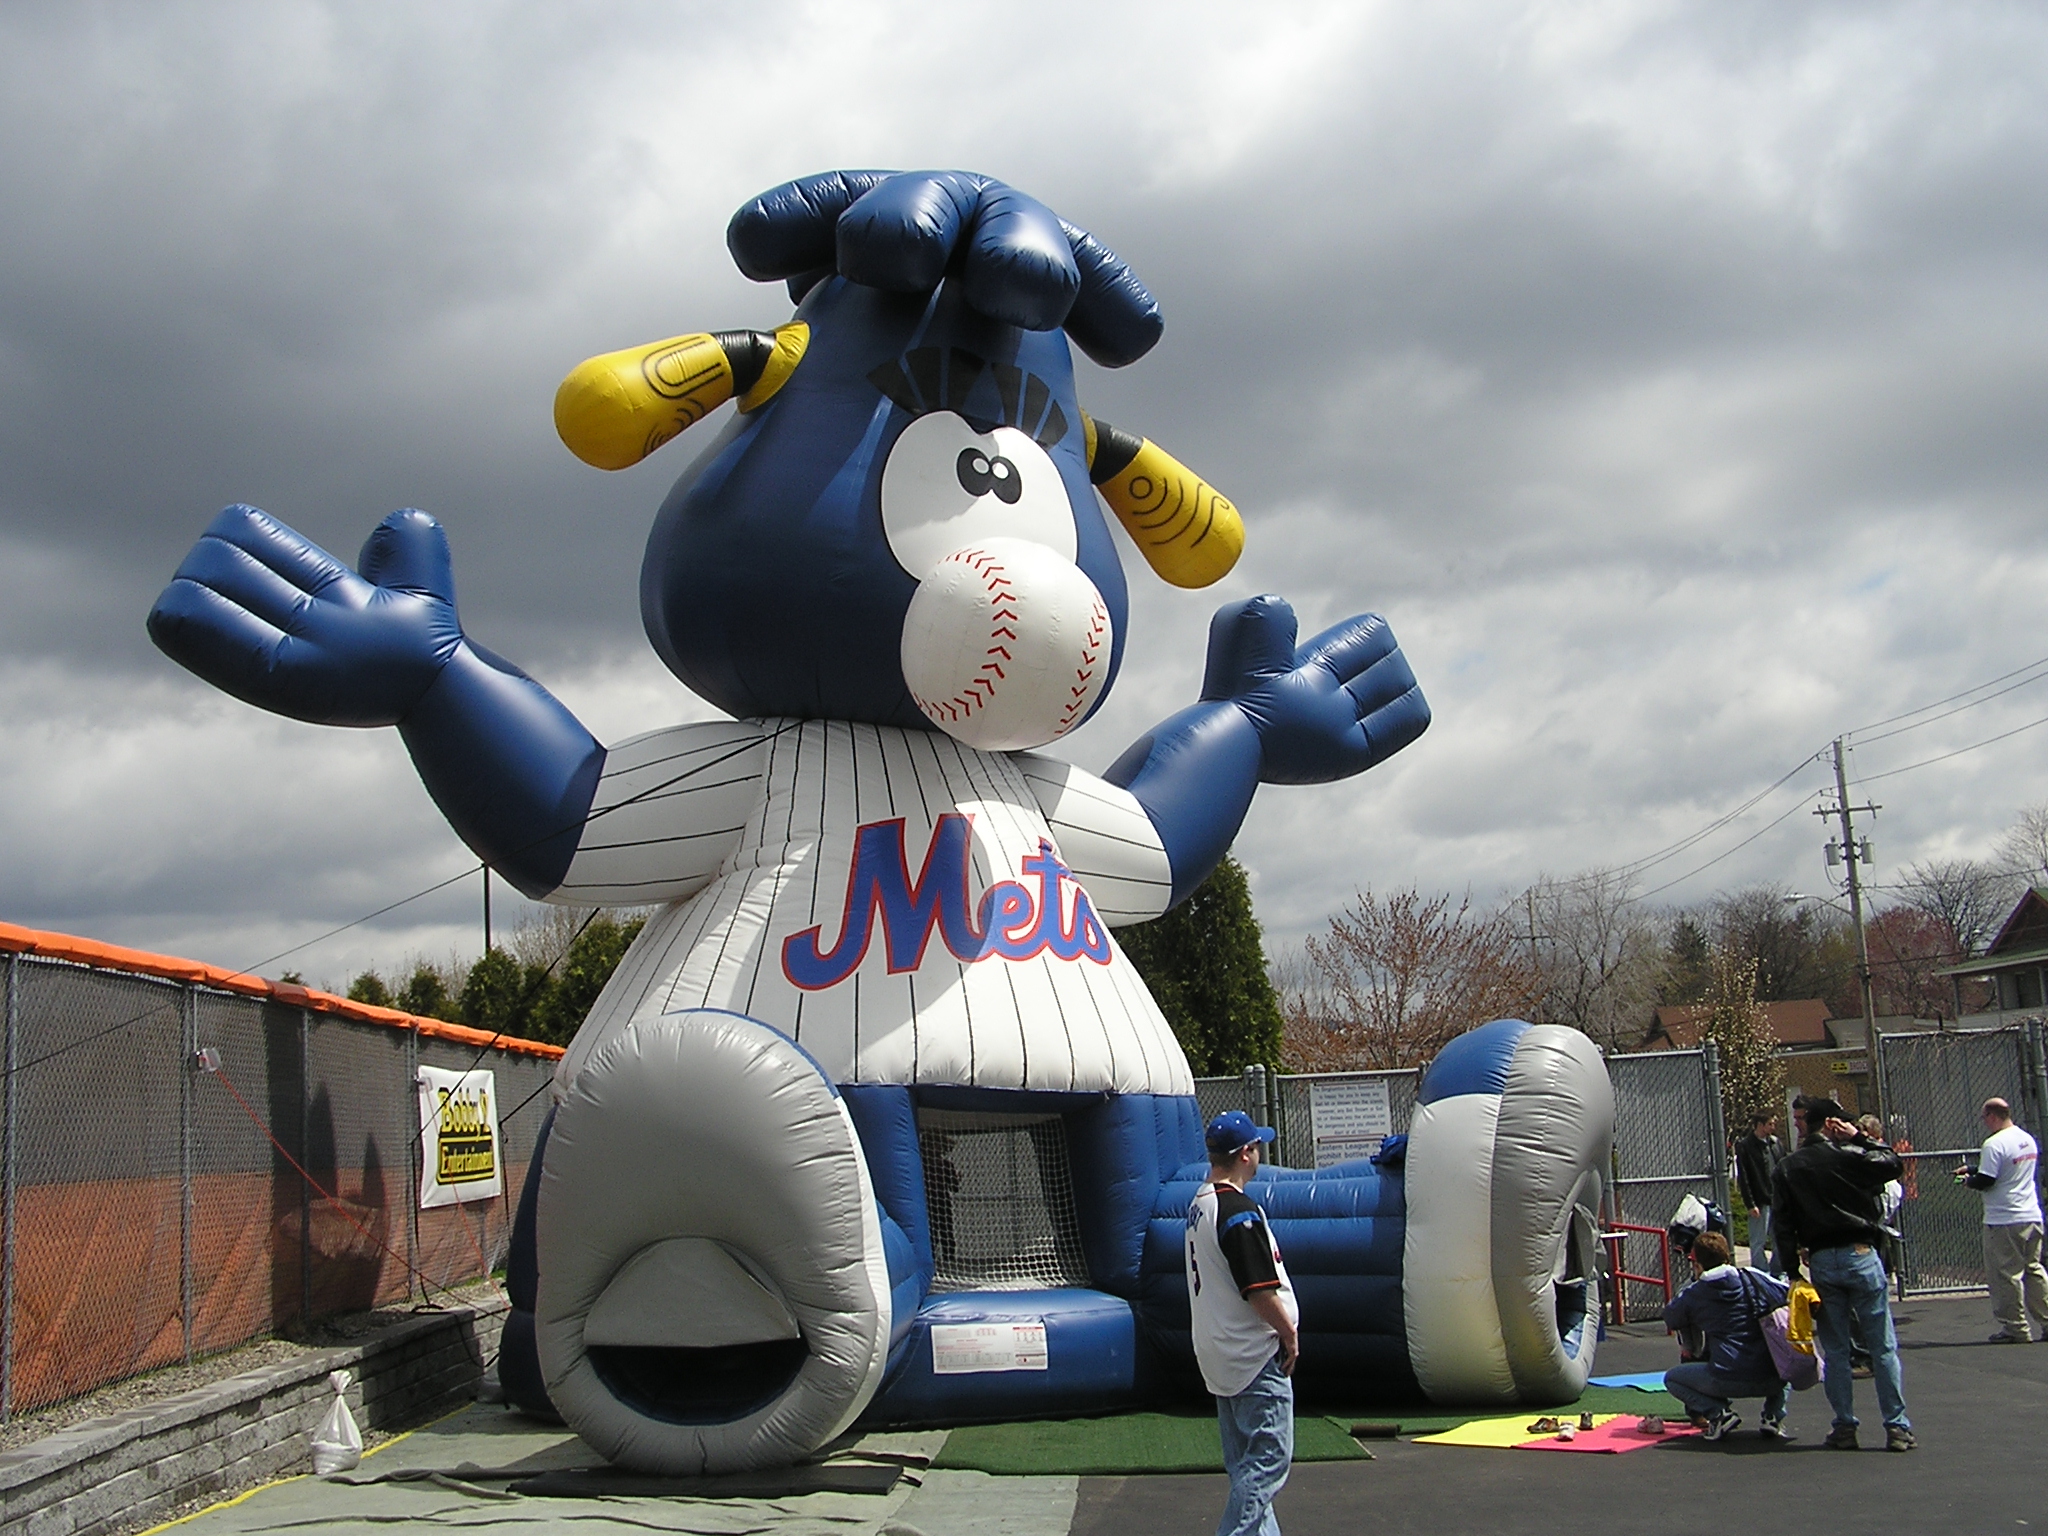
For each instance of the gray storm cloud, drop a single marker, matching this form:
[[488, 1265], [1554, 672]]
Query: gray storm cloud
[[1672, 378]]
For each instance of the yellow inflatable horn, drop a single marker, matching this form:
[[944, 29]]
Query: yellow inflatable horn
[[613, 411], [1187, 530]]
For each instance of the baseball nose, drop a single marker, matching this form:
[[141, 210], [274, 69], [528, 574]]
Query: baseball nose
[[1006, 645]]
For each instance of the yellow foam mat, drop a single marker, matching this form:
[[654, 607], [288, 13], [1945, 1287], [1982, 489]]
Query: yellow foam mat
[[1506, 1433]]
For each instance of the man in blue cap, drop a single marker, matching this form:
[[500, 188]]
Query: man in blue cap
[[1244, 1322]]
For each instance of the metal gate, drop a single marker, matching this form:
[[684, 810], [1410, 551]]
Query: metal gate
[[1933, 1088]]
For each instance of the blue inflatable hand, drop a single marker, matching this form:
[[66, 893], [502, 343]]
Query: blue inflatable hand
[[1326, 710], [278, 622], [1016, 261]]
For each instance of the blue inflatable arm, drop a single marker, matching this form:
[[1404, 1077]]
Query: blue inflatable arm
[[1271, 713], [280, 623]]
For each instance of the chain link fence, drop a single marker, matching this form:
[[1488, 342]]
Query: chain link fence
[[1356, 1110], [1933, 1087], [1668, 1143], [150, 1209]]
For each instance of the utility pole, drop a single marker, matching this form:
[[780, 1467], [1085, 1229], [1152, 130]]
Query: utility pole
[[487, 909], [1854, 854]]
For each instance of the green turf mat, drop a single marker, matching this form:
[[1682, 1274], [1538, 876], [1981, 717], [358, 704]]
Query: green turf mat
[[1129, 1443], [1122, 1444]]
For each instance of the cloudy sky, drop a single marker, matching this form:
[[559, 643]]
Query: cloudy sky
[[1671, 377]]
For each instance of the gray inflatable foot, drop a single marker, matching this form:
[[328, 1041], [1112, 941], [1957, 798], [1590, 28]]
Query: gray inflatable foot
[[713, 1294]]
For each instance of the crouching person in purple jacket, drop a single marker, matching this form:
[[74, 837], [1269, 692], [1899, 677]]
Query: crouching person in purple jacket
[[1721, 1317]]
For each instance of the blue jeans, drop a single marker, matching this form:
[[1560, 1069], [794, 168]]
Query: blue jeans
[[1705, 1391], [1851, 1283], [1258, 1445], [1763, 1246]]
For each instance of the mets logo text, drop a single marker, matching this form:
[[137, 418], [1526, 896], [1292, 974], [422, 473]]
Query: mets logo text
[[1012, 921]]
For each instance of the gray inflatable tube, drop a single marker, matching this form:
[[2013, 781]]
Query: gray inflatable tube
[[713, 1294], [1507, 1155]]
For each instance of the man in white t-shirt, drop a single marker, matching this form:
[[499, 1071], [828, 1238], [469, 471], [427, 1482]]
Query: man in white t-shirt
[[1244, 1322], [2005, 1176]]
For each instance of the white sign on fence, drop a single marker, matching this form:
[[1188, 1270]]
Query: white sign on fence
[[1349, 1118], [962, 1349], [463, 1159]]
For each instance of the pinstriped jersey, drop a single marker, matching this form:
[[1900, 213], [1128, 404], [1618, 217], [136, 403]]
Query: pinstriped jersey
[[908, 909]]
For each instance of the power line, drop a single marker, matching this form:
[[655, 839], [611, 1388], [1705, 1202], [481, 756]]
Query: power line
[[2035, 668], [1924, 708], [1946, 714], [1717, 858], [1872, 778], [252, 970], [1674, 849]]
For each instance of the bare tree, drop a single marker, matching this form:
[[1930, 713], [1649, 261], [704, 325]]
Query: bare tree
[[1801, 948], [1598, 955], [1968, 897], [1397, 976], [2023, 848], [1907, 946]]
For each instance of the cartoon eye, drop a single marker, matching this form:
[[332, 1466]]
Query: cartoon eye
[[980, 474], [946, 486]]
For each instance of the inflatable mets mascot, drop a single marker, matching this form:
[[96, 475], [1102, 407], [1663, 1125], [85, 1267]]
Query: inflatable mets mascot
[[875, 1122]]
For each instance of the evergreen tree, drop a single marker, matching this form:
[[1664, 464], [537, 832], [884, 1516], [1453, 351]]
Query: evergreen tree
[[369, 988], [1687, 961], [425, 993], [580, 975], [501, 997], [1206, 965]]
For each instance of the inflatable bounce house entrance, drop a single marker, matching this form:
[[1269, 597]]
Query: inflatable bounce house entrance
[[875, 1122]]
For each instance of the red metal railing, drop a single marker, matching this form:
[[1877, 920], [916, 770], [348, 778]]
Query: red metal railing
[[1617, 1235]]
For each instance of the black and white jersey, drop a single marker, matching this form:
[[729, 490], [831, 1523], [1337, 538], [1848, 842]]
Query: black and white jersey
[[1231, 1255]]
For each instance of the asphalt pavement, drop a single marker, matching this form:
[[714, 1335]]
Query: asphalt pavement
[[1980, 1411]]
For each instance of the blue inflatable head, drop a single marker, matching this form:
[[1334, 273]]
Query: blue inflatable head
[[921, 398], [771, 586]]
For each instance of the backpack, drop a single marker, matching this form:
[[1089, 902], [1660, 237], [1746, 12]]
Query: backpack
[[1798, 1366]]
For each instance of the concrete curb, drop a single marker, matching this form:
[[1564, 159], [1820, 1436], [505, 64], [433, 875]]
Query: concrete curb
[[131, 1468]]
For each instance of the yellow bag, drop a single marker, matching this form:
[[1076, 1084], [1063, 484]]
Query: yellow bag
[[1799, 1325]]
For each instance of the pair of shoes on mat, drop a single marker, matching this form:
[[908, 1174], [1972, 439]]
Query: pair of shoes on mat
[[1774, 1429], [1897, 1439], [1545, 1426], [1721, 1425], [1650, 1424], [1841, 1438]]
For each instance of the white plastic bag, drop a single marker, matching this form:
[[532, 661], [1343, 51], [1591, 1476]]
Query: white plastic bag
[[337, 1443]]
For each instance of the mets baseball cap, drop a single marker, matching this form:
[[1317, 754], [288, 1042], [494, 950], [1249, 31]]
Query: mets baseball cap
[[1233, 1131]]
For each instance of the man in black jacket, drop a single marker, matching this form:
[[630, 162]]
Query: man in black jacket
[[1825, 1200], [1757, 1156]]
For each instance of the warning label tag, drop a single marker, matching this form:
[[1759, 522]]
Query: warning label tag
[[959, 1349]]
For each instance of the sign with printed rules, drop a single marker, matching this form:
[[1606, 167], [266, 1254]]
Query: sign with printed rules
[[1349, 1118], [961, 1349], [461, 1155]]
